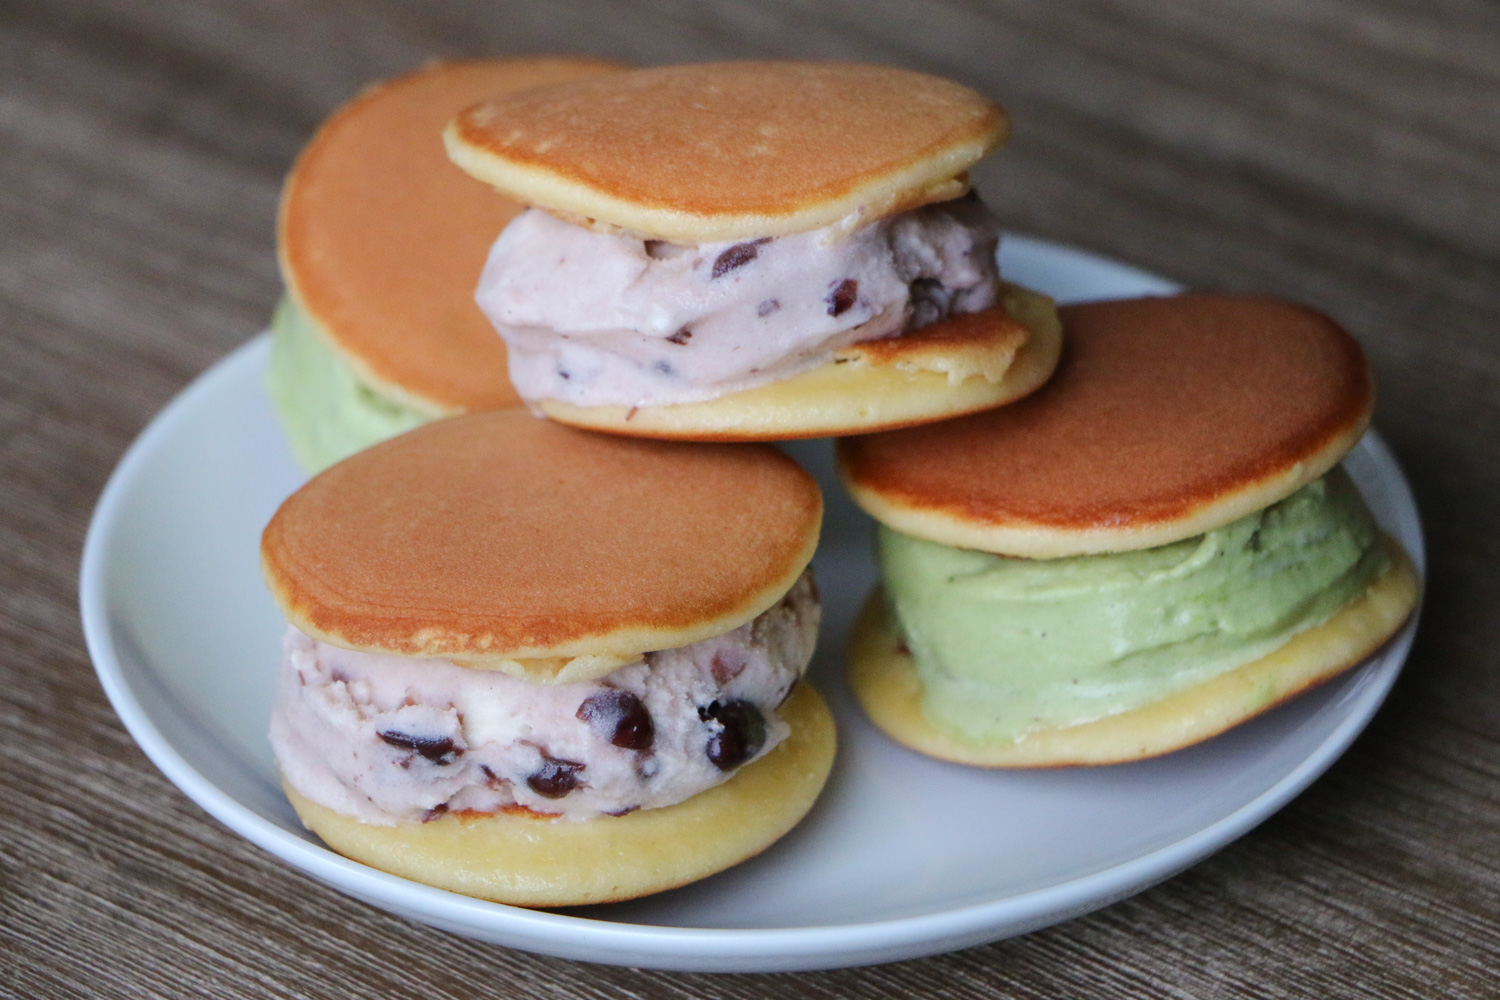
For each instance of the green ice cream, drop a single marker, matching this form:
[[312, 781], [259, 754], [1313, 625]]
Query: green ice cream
[[1005, 646], [329, 413]]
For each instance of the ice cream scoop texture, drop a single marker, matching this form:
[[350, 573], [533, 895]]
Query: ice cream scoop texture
[[609, 318], [390, 739]]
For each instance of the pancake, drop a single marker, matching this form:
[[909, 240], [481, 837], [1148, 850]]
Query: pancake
[[969, 363], [503, 541], [547, 667], [1166, 417], [533, 861], [725, 151], [1155, 546], [381, 240], [884, 679]]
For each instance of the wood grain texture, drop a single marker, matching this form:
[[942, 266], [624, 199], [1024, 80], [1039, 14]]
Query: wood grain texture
[[1341, 153]]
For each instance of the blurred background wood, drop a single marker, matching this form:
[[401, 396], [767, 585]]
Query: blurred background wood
[[1340, 152]]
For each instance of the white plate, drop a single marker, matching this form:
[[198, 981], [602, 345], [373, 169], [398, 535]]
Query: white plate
[[903, 856]]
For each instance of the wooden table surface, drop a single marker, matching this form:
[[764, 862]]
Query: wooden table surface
[[1342, 153]]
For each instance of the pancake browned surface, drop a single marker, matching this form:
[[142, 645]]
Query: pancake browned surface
[[1166, 417], [498, 536], [382, 239], [722, 151]]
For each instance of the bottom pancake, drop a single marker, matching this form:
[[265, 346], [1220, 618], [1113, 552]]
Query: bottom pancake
[[531, 861], [884, 678], [963, 365]]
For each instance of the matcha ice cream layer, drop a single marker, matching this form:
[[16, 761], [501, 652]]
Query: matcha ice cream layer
[[329, 413], [1005, 646]]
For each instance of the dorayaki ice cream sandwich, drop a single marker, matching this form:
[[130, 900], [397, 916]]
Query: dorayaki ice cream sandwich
[[1154, 547], [381, 240], [751, 250], [547, 667]]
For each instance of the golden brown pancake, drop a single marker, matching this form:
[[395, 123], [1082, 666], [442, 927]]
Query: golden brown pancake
[[382, 239], [964, 364], [884, 678], [532, 861], [1166, 417], [721, 151], [505, 541]]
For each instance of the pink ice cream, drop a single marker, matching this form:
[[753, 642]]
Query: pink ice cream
[[607, 318], [390, 739]]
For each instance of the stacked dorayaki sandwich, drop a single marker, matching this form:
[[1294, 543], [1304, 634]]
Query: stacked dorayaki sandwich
[[546, 665]]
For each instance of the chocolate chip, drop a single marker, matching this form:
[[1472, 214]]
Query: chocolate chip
[[842, 297], [621, 717], [681, 336], [438, 749], [742, 733], [736, 256], [436, 812], [555, 778], [767, 307]]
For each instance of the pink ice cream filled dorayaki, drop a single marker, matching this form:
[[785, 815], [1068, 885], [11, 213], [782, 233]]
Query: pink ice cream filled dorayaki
[[545, 667], [751, 251], [598, 319]]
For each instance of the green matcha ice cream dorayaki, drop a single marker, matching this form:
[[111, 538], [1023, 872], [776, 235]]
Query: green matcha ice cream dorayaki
[[327, 410], [998, 642], [381, 241], [1154, 547]]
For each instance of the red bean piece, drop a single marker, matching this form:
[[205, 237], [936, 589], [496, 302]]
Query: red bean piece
[[621, 717], [741, 735], [555, 778], [736, 256], [841, 299], [438, 749]]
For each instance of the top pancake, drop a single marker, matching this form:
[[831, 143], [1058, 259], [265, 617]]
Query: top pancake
[[382, 239], [498, 537], [1166, 417], [722, 151]]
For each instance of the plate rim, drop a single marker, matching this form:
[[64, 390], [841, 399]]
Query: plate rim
[[703, 948]]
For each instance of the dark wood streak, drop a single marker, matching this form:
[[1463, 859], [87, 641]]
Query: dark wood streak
[[1340, 153]]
